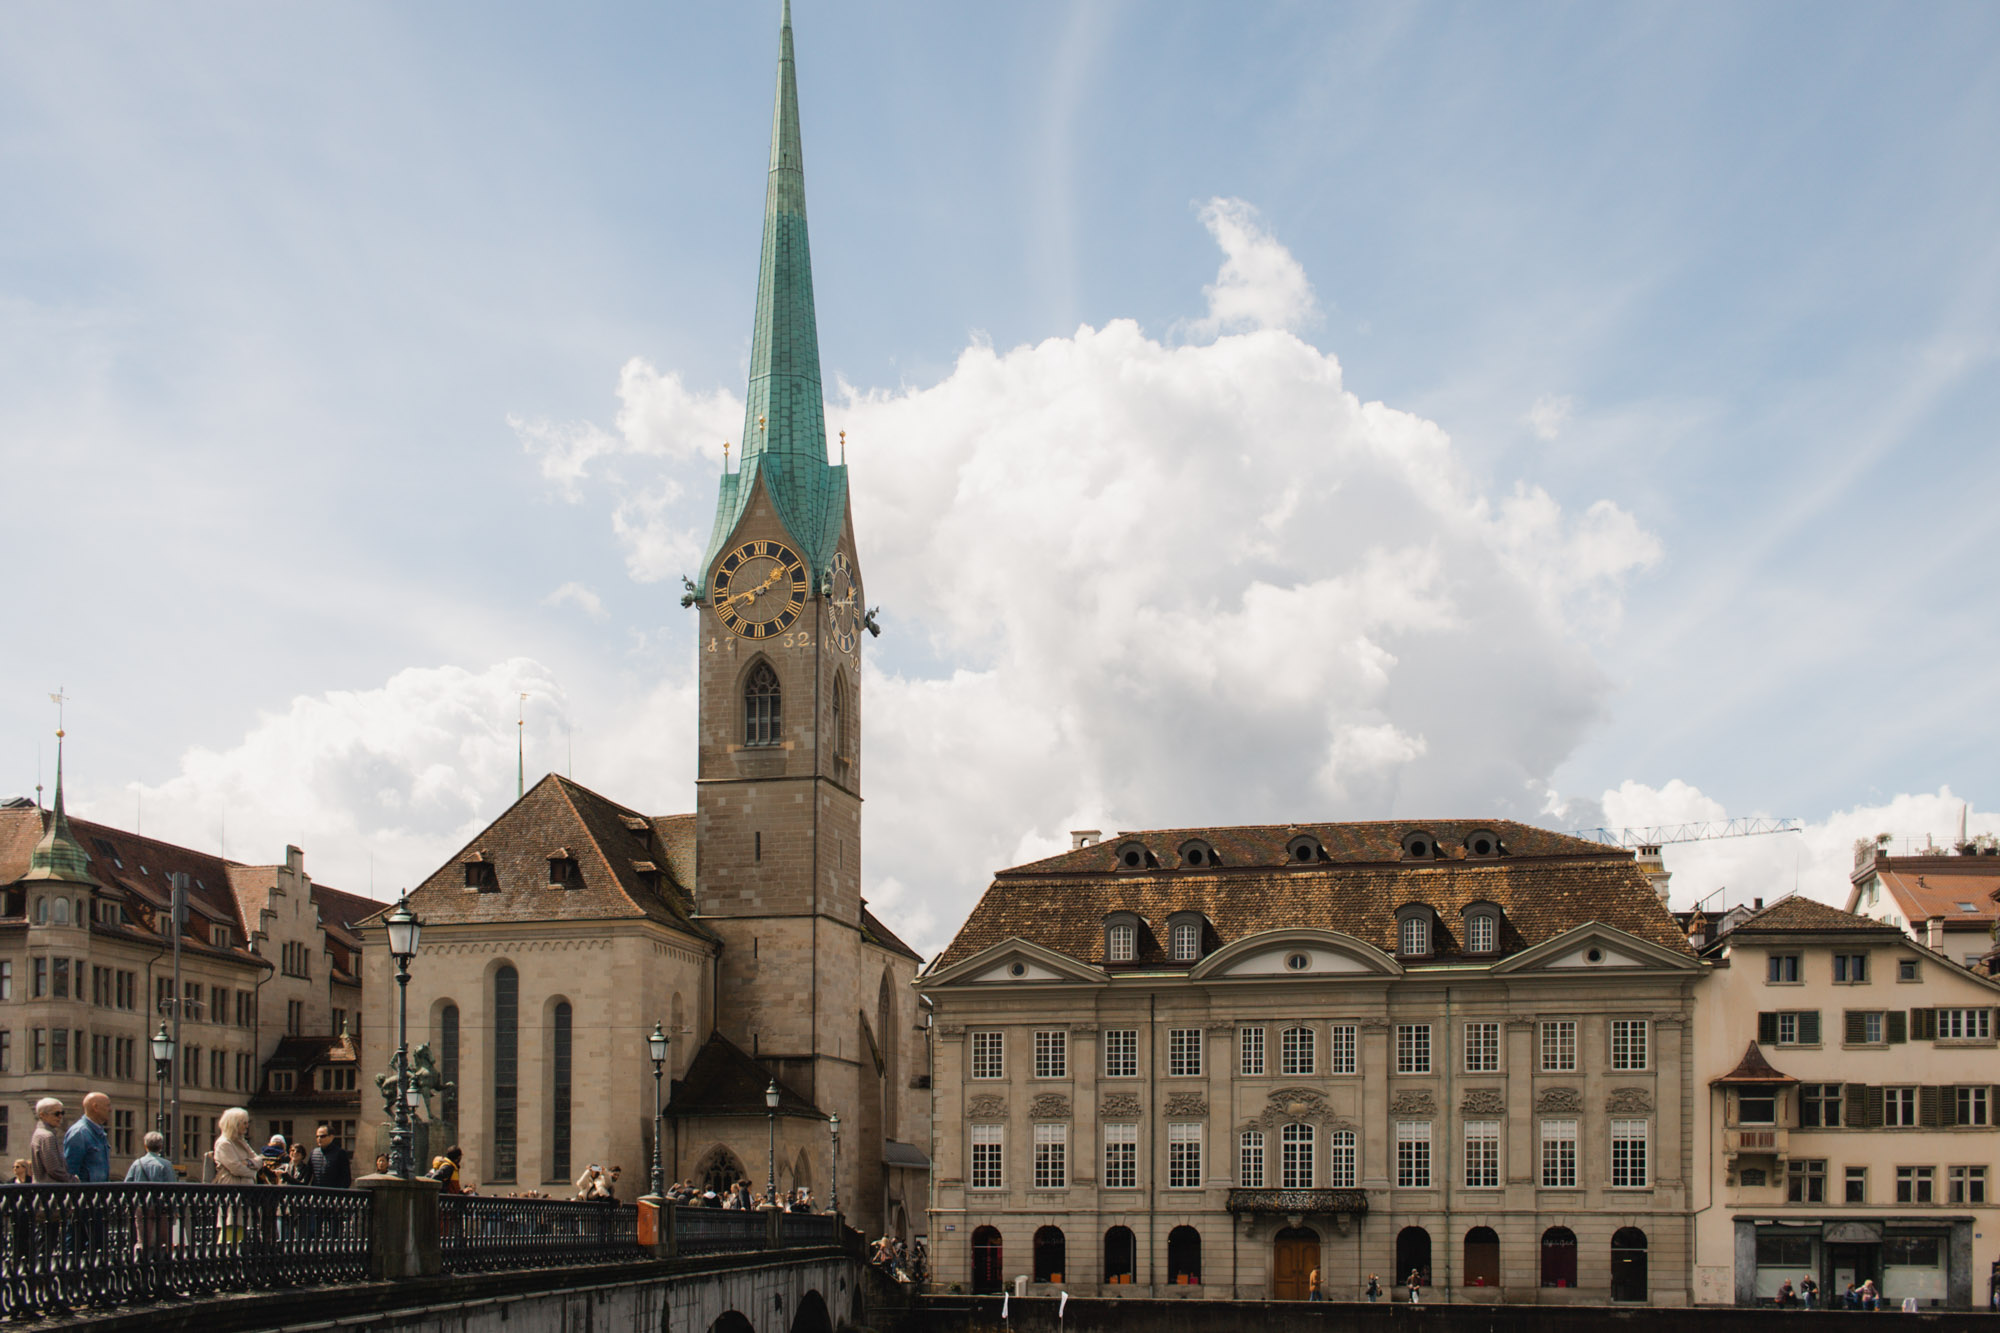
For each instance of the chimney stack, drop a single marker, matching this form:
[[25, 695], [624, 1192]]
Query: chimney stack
[[1654, 868], [1934, 933], [1084, 837]]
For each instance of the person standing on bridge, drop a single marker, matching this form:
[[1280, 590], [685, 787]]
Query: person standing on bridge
[[87, 1146], [45, 1149]]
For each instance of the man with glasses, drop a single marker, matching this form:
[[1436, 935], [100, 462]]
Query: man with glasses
[[45, 1150], [331, 1166]]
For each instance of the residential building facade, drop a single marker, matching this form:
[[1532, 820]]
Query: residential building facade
[[1943, 898], [1208, 1062], [1850, 1127]]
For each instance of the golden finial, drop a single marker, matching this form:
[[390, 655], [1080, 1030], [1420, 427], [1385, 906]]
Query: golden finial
[[725, 455], [760, 423], [843, 447]]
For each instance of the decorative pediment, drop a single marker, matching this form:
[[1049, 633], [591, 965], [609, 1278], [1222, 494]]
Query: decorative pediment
[[1416, 1101], [1483, 1101], [986, 1107], [1298, 1106], [1015, 961], [1295, 952], [1628, 1101], [1596, 947], [1120, 1106], [1187, 1104], [1049, 1106], [1560, 1101]]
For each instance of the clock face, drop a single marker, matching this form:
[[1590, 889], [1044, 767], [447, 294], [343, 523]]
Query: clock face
[[845, 605], [760, 589]]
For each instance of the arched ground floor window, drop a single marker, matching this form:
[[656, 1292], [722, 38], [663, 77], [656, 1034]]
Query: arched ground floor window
[[1413, 1255], [1051, 1255], [1628, 1264], [1184, 1256], [1121, 1255], [1559, 1257], [1482, 1257], [986, 1260]]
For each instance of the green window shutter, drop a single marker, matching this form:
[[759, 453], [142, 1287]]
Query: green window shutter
[[1895, 1021], [1857, 1105], [1767, 1028], [1874, 1108], [1927, 1106], [1948, 1106], [1809, 1027], [1923, 1025], [1856, 1029]]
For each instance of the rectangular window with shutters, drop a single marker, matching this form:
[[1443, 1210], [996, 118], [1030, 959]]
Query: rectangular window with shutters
[[1184, 1052], [1966, 1184], [1559, 1154], [1863, 1027], [1052, 1054], [1413, 1154], [1915, 1184], [1051, 1157], [1629, 1042], [1482, 1154], [1250, 1051], [988, 1055], [1559, 1046], [1972, 1106], [1819, 1105], [987, 1164], [1121, 1053], [1961, 1024], [1250, 1160], [1850, 969], [1482, 1048], [1341, 1048], [1805, 1181], [1899, 1107], [1121, 1157], [1340, 1159], [1183, 1157], [1789, 1027]]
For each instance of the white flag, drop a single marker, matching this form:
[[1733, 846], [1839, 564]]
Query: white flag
[[1003, 1305], [1062, 1304]]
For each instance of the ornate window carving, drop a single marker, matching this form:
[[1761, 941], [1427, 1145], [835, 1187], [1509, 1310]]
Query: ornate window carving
[[762, 716]]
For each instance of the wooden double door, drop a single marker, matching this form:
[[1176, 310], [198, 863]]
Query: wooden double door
[[1294, 1256]]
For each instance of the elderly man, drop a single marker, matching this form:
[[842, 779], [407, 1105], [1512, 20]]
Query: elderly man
[[87, 1146], [45, 1149]]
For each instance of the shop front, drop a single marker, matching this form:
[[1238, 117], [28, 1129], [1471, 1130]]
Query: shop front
[[1928, 1259]]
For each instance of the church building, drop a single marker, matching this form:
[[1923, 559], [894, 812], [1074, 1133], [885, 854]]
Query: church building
[[557, 938]]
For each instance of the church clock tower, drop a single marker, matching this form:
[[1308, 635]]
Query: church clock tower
[[778, 787]]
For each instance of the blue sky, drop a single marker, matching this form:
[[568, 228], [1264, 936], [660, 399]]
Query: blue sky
[[304, 311]]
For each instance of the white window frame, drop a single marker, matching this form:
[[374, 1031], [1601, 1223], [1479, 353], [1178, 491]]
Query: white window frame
[[1413, 1154], [1916, 1184], [1558, 1046], [1972, 1105], [1340, 1159], [989, 1054], [987, 1161], [1298, 1052], [1413, 1048], [1482, 933], [1186, 936], [1482, 1048], [1183, 1052], [1250, 1159], [1121, 1157], [1052, 1053], [1250, 1051], [1901, 1108], [1121, 942], [1297, 1142], [1343, 1049], [1965, 1024], [1051, 1156], [1631, 1043], [1559, 1154], [1482, 1154], [1965, 1185], [1184, 1155], [1631, 1155], [1121, 1053], [1413, 935]]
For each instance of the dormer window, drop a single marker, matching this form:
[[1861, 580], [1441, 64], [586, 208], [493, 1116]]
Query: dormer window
[[1121, 938], [1415, 932], [563, 870], [649, 875], [481, 875], [1198, 855], [1184, 936], [1134, 856], [1304, 850], [1419, 846], [1482, 842], [1482, 929]]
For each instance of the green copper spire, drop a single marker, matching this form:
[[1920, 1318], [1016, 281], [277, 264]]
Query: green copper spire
[[57, 858], [784, 419]]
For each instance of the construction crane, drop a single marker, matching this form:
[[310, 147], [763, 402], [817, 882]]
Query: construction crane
[[1660, 834]]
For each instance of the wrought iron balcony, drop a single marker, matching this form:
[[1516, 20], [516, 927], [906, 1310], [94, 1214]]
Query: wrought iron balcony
[[1289, 1202]]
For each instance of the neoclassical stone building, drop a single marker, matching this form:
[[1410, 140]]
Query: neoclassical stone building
[[1207, 1061], [563, 932]]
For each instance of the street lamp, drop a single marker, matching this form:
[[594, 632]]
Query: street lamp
[[833, 1123], [404, 931], [656, 1046], [163, 1066], [771, 1164]]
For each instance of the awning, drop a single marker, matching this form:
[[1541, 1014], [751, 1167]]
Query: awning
[[904, 1155]]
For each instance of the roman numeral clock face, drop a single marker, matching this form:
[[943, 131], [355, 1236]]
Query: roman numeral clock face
[[760, 589]]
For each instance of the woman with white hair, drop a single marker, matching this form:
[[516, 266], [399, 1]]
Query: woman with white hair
[[236, 1163]]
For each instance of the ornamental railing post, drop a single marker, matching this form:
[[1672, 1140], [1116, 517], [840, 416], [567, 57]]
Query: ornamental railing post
[[405, 1236]]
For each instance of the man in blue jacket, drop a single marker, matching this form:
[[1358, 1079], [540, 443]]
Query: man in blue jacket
[[87, 1146]]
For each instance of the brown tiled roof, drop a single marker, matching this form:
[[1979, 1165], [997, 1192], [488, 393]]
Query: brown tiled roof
[[1939, 884], [1753, 1070], [340, 912], [723, 1080], [875, 932], [1794, 912], [554, 814], [1544, 884]]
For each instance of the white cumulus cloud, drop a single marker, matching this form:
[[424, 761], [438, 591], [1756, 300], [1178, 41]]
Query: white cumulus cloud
[[1549, 414], [580, 596], [1261, 285]]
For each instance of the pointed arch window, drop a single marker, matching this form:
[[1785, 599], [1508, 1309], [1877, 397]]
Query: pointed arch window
[[839, 720], [761, 714]]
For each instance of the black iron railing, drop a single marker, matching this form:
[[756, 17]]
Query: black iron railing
[[798, 1230], [75, 1247], [718, 1230], [481, 1234], [1298, 1201]]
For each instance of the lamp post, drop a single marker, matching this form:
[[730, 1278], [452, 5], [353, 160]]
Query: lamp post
[[404, 931], [656, 1046], [163, 1065], [833, 1199], [771, 1163]]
